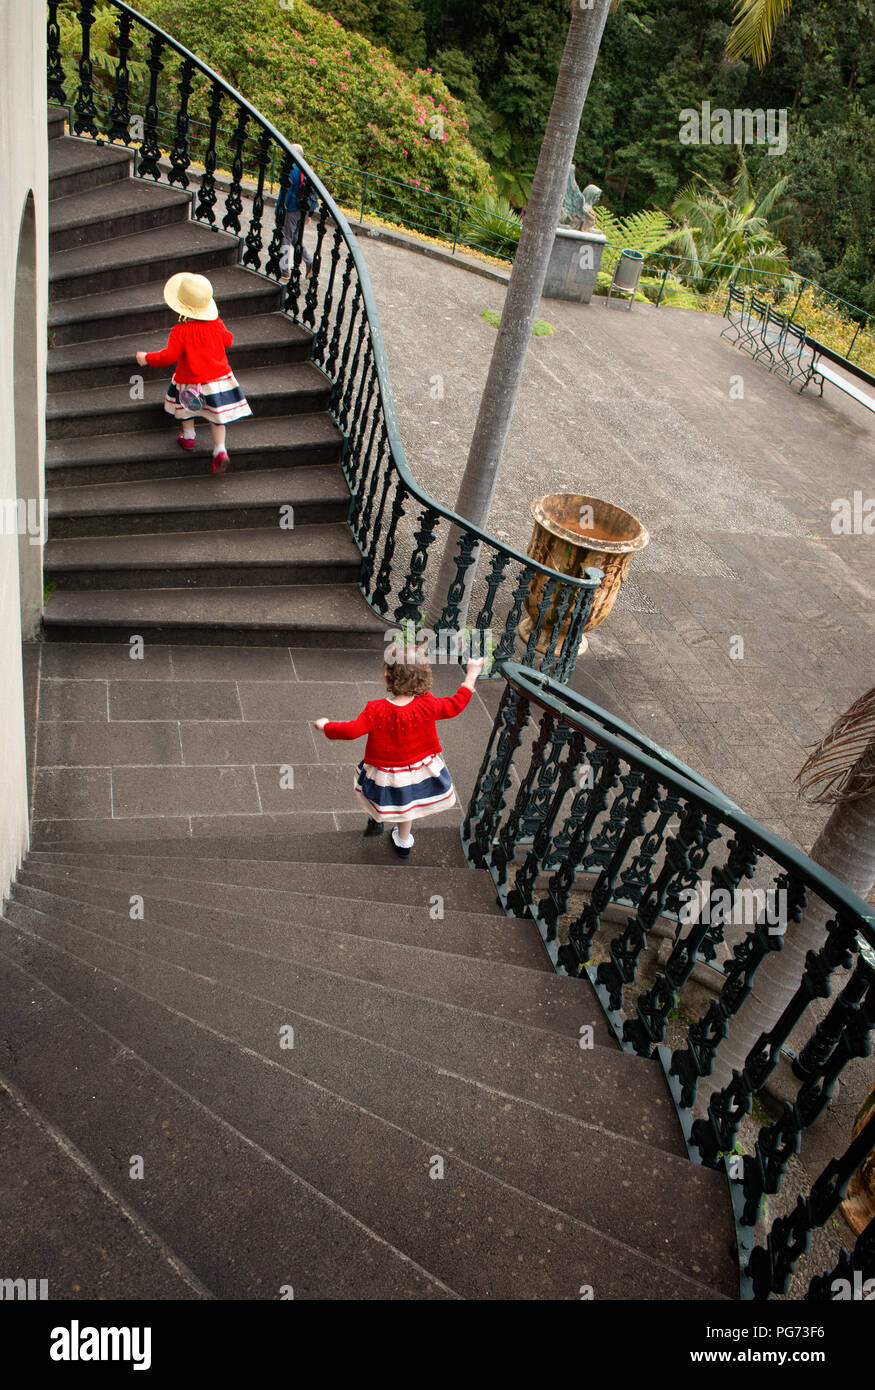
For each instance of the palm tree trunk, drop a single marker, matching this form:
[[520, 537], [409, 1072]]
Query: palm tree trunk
[[526, 283], [846, 848]]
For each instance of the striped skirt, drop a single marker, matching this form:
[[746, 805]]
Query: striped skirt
[[221, 401], [404, 793]]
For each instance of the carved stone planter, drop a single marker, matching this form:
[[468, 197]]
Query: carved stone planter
[[571, 532]]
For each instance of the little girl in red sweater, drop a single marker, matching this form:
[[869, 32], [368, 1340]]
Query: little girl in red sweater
[[402, 776], [203, 383]]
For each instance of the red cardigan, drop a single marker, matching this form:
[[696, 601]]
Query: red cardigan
[[198, 349], [401, 734]]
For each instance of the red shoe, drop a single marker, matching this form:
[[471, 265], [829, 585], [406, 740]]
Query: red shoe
[[220, 462], [187, 441]]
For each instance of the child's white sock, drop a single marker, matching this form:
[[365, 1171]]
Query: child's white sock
[[402, 844], [188, 429], [218, 449]]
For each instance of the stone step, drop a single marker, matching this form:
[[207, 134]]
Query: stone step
[[141, 309], [461, 889], [79, 164], [305, 555], [56, 118], [138, 259], [303, 440], [437, 847], [242, 500], [469, 1230], [499, 1136], [286, 389], [120, 1258], [545, 1000], [242, 1220], [529, 1062], [114, 210], [260, 340], [307, 615]]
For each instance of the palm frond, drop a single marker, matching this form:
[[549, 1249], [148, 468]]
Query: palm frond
[[753, 29], [842, 766]]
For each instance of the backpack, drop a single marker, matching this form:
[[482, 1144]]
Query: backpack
[[295, 189]]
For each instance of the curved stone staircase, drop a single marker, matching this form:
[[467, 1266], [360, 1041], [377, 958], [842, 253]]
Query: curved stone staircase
[[233, 1068], [148, 993], [142, 539]]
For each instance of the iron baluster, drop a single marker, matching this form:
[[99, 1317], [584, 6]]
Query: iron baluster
[[254, 240], [85, 122], [207, 192], [274, 266], [483, 784], [544, 604], [551, 655], [334, 346], [309, 315], [359, 460], [586, 807], [120, 106], [343, 380], [606, 838], [504, 849], [234, 200], [820, 1046], [150, 150], [376, 472], [639, 875], [850, 1266], [505, 648], [741, 863], [320, 339], [514, 717], [538, 817], [466, 555], [411, 598], [54, 67], [384, 575], [617, 972], [500, 560], [349, 389], [180, 151]]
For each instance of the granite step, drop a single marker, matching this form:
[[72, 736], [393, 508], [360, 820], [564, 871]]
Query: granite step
[[308, 615], [529, 1149], [240, 500], [99, 214], [78, 164], [303, 440], [141, 309], [274, 1228], [138, 259], [56, 118], [304, 555], [438, 847], [286, 389], [467, 1232], [260, 340]]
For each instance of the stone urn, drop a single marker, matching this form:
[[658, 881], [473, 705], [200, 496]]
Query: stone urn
[[858, 1208], [571, 533]]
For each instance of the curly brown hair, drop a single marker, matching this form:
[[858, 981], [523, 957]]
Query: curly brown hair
[[407, 672]]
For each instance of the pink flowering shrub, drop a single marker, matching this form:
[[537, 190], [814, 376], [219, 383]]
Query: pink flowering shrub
[[344, 99]]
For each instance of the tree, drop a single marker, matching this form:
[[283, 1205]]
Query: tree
[[840, 772], [527, 278], [753, 29]]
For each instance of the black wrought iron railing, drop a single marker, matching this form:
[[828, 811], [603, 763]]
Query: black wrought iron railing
[[143, 89], [616, 849]]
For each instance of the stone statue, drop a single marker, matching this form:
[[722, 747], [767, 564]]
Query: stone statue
[[578, 208]]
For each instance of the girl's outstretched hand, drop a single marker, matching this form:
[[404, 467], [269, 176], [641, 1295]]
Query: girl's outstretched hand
[[141, 359], [475, 666], [320, 723]]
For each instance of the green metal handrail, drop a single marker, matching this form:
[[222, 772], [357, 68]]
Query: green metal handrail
[[574, 813], [347, 346]]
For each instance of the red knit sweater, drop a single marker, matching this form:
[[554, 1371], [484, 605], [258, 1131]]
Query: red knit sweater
[[401, 734], [198, 349]]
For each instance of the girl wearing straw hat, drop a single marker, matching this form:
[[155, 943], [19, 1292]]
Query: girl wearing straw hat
[[202, 383]]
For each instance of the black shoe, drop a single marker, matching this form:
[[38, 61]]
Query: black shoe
[[373, 827], [399, 850]]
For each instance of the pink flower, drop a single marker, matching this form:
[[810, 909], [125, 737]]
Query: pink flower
[[312, 62]]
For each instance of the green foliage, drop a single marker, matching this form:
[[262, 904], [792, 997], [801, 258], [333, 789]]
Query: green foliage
[[720, 230], [641, 231], [331, 90], [540, 328], [393, 24], [492, 226], [104, 50]]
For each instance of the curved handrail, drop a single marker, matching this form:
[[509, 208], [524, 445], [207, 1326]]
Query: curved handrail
[[580, 713], [579, 586]]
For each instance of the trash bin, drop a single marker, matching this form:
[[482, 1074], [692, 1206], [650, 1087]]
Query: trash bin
[[571, 533], [627, 273]]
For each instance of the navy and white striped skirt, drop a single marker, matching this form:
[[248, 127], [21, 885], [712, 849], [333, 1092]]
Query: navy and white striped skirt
[[404, 793], [222, 401]]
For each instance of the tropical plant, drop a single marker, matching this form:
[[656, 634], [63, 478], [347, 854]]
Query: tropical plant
[[648, 231], [753, 29], [720, 230], [840, 772], [492, 226]]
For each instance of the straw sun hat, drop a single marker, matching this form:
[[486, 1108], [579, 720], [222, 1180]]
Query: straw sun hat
[[191, 295]]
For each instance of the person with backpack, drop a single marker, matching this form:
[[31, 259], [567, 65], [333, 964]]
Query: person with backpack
[[299, 204]]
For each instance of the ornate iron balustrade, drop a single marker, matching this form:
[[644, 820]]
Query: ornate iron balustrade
[[400, 530], [608, 843]]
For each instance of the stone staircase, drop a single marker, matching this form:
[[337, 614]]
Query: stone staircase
[[142, 539], [148, 996]]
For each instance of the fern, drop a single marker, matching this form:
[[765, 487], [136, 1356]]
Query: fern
[[648, 231]]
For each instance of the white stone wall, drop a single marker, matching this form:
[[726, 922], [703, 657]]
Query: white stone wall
[[23, 305]]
